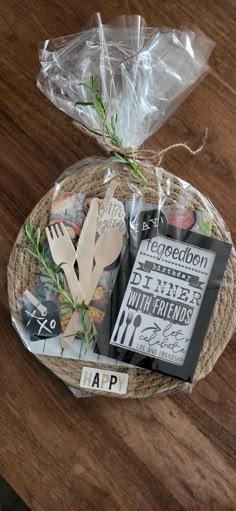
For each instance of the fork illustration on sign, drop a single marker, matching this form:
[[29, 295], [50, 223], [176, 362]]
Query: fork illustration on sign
[[128, 321]]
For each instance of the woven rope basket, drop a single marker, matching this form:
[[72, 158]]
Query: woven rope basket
[[90, 180]]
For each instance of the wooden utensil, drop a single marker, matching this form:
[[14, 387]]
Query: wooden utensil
[[110, 192], [85, 247], [62, 250], [107, 249], [85, 256], [86, 243], [71, 329], [32, 299]]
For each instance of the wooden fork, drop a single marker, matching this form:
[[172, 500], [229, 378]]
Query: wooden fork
[[62, 250]]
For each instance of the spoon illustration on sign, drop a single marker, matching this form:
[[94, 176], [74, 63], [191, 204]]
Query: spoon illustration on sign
[[136, 323]]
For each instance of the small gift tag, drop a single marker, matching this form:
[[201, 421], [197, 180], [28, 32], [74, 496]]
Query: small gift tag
[[41, 319], [152, 221], [111, 216], [169, 300]]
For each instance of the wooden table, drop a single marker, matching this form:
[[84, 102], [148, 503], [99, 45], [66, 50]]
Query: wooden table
[[57, 452]]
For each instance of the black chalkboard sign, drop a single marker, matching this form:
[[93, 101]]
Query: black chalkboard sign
[[42, 325]]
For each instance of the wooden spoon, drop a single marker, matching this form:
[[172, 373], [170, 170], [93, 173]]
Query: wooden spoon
[[108, 247]]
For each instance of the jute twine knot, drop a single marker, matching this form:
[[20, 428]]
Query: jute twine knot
[[141, 155]]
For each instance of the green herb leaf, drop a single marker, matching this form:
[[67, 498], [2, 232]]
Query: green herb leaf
[[114, 122], [32, 253], [84, 103]]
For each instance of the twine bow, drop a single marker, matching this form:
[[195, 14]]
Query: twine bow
[[140, 155]]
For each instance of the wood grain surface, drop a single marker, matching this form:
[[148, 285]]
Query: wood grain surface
[[59, 453]]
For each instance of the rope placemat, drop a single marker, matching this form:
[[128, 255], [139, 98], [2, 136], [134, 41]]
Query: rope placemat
[[159, 187]]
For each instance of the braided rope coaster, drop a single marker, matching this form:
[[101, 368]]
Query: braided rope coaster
[[160, 187]]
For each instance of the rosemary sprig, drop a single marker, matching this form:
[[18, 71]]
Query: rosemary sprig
[[88, 333], [96, 101], [53, 272]]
